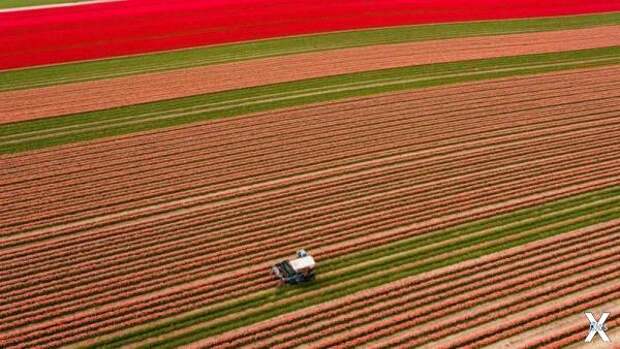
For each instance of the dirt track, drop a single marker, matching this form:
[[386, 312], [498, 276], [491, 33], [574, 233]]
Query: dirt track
[[335, 178], [102, 94]]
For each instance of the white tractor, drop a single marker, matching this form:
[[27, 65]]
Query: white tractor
[[295, 271]]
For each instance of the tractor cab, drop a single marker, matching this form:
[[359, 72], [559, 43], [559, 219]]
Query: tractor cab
[[295, 271]]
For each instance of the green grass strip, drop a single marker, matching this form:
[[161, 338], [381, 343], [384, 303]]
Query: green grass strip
[[92, 70], [24, 3], [36, 134], [587, 209]]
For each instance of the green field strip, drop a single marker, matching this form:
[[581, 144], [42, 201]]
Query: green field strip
[[93, 70], [36, 134], [346, 275], [248, 97], [6, 4]]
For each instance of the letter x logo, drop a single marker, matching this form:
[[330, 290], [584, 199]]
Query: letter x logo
[[597, 327]]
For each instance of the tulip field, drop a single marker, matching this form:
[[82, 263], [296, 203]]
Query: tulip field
[[455, 176]]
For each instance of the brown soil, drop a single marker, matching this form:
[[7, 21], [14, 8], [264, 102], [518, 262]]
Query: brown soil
[[103, 94]]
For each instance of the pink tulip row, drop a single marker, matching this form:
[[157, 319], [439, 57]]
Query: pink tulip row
[[132, 143], [267, 123], [409, 302], [214, 154], [502, 308], [82, 276], [227, 170], [99, 322], [79, 200], [49, 266], [548, 313], [417, 313], [563, 341], [55, 326], [393, 293], [82, 325], [350, 321]]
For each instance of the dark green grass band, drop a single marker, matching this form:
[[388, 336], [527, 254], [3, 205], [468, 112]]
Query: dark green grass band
[[36, 134], [542, 221], [5, 4], [92, 70]]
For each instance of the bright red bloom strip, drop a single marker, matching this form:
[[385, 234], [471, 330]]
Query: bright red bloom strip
[[57, 35]]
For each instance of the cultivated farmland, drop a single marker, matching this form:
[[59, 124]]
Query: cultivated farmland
[[181, 225], [458, 190]]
